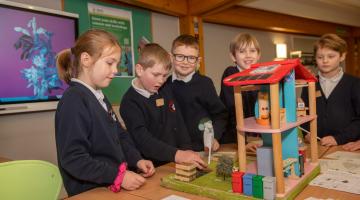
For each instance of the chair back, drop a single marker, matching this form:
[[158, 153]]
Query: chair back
[[29, 179]]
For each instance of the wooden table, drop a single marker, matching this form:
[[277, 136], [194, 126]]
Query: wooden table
[[153, 190], [323, 193], [2, 159]]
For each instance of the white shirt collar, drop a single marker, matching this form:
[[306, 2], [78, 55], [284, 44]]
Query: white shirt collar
[[98, 93], [239, 68], [333, 79], [329, 84], [141, 91], [186, 79]]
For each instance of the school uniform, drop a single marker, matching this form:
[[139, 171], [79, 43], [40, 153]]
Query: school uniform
[[227, 97], [338, 110], [90, 141], [198, 100], [155, 123]]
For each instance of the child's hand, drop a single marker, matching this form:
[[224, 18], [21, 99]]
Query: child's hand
[[352, 146], [252, 147], [146, 167], [215, 145], [328, 141], [189, 157], [132, 181]]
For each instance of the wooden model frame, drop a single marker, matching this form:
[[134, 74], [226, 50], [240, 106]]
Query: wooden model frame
[[269, 77], [275, 130]]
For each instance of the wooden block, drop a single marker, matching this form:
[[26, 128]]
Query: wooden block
[[301, 113], [232, 154], [186, 167], [183, 178], [185, 173], [282, 115]]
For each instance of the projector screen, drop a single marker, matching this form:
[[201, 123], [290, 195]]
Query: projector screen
[[30, 38]]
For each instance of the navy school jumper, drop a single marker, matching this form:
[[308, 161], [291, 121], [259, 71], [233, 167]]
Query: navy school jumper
[[90, 143], [198, 100], [339, 114], [155, 124], [227, 97]]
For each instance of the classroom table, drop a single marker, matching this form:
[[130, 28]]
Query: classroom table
[[2, 159], [153, 190], [324, 193]]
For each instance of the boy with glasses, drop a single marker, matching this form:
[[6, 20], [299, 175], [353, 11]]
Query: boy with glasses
[[195, 93]]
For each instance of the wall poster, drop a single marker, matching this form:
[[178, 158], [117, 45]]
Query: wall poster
[[119, 23]]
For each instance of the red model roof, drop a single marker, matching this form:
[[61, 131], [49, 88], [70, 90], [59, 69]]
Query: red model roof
[[269, 72]]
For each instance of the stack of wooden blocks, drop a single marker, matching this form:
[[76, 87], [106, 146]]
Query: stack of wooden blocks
[[185, 172]]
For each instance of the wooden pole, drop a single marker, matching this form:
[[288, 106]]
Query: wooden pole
[[313, 123], [193, 25], [276, 137], [240, 123]]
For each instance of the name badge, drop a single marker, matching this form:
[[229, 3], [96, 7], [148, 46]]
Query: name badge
[[318, 93], [159, 102]]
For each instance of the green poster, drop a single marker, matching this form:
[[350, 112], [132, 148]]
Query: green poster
[[119, 23]]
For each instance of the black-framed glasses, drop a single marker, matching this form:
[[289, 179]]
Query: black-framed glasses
[[190, 59]]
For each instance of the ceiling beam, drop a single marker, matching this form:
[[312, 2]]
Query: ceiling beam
[[258, 19], [201, 7], [170, 7]]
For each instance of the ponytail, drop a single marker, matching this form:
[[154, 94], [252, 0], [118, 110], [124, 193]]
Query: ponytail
[[65, 66]]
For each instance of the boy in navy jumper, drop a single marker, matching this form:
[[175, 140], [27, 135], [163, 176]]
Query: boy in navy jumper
[[195, 93], [244, 51], [337, 94], [92, 148], [151, 114]]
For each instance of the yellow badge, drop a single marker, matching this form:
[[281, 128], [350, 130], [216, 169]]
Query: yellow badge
[[159, 102], [318, 93]]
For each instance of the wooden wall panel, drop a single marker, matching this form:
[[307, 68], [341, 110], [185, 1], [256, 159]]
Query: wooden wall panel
[[269, 21]]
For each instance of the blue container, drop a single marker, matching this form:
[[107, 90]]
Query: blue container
[[248, 184]]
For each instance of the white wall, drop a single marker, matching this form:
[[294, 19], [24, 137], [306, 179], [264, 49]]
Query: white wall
[[165, 29]]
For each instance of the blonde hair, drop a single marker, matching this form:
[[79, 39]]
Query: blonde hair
[[243, 40], [185, 40], [93, 42], [331, 41], [152, 54]]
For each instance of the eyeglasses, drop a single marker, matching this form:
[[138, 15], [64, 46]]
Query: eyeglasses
[[190, 59]]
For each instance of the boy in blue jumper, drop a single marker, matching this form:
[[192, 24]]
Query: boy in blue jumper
[[92, 148], [195, 93], [151, 114]]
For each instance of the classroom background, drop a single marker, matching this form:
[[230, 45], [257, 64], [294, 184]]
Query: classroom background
[[31, 135]]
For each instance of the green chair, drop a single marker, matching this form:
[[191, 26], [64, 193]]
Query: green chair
[[29, 179]]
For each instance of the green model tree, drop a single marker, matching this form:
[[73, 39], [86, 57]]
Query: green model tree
[[224, 166]]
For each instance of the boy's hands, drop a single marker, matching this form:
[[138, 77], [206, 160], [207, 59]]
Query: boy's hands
[[352, 146], [328, 141], [252, 147], [215, 145], [132, 181], [191, 157], [146, 167]]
